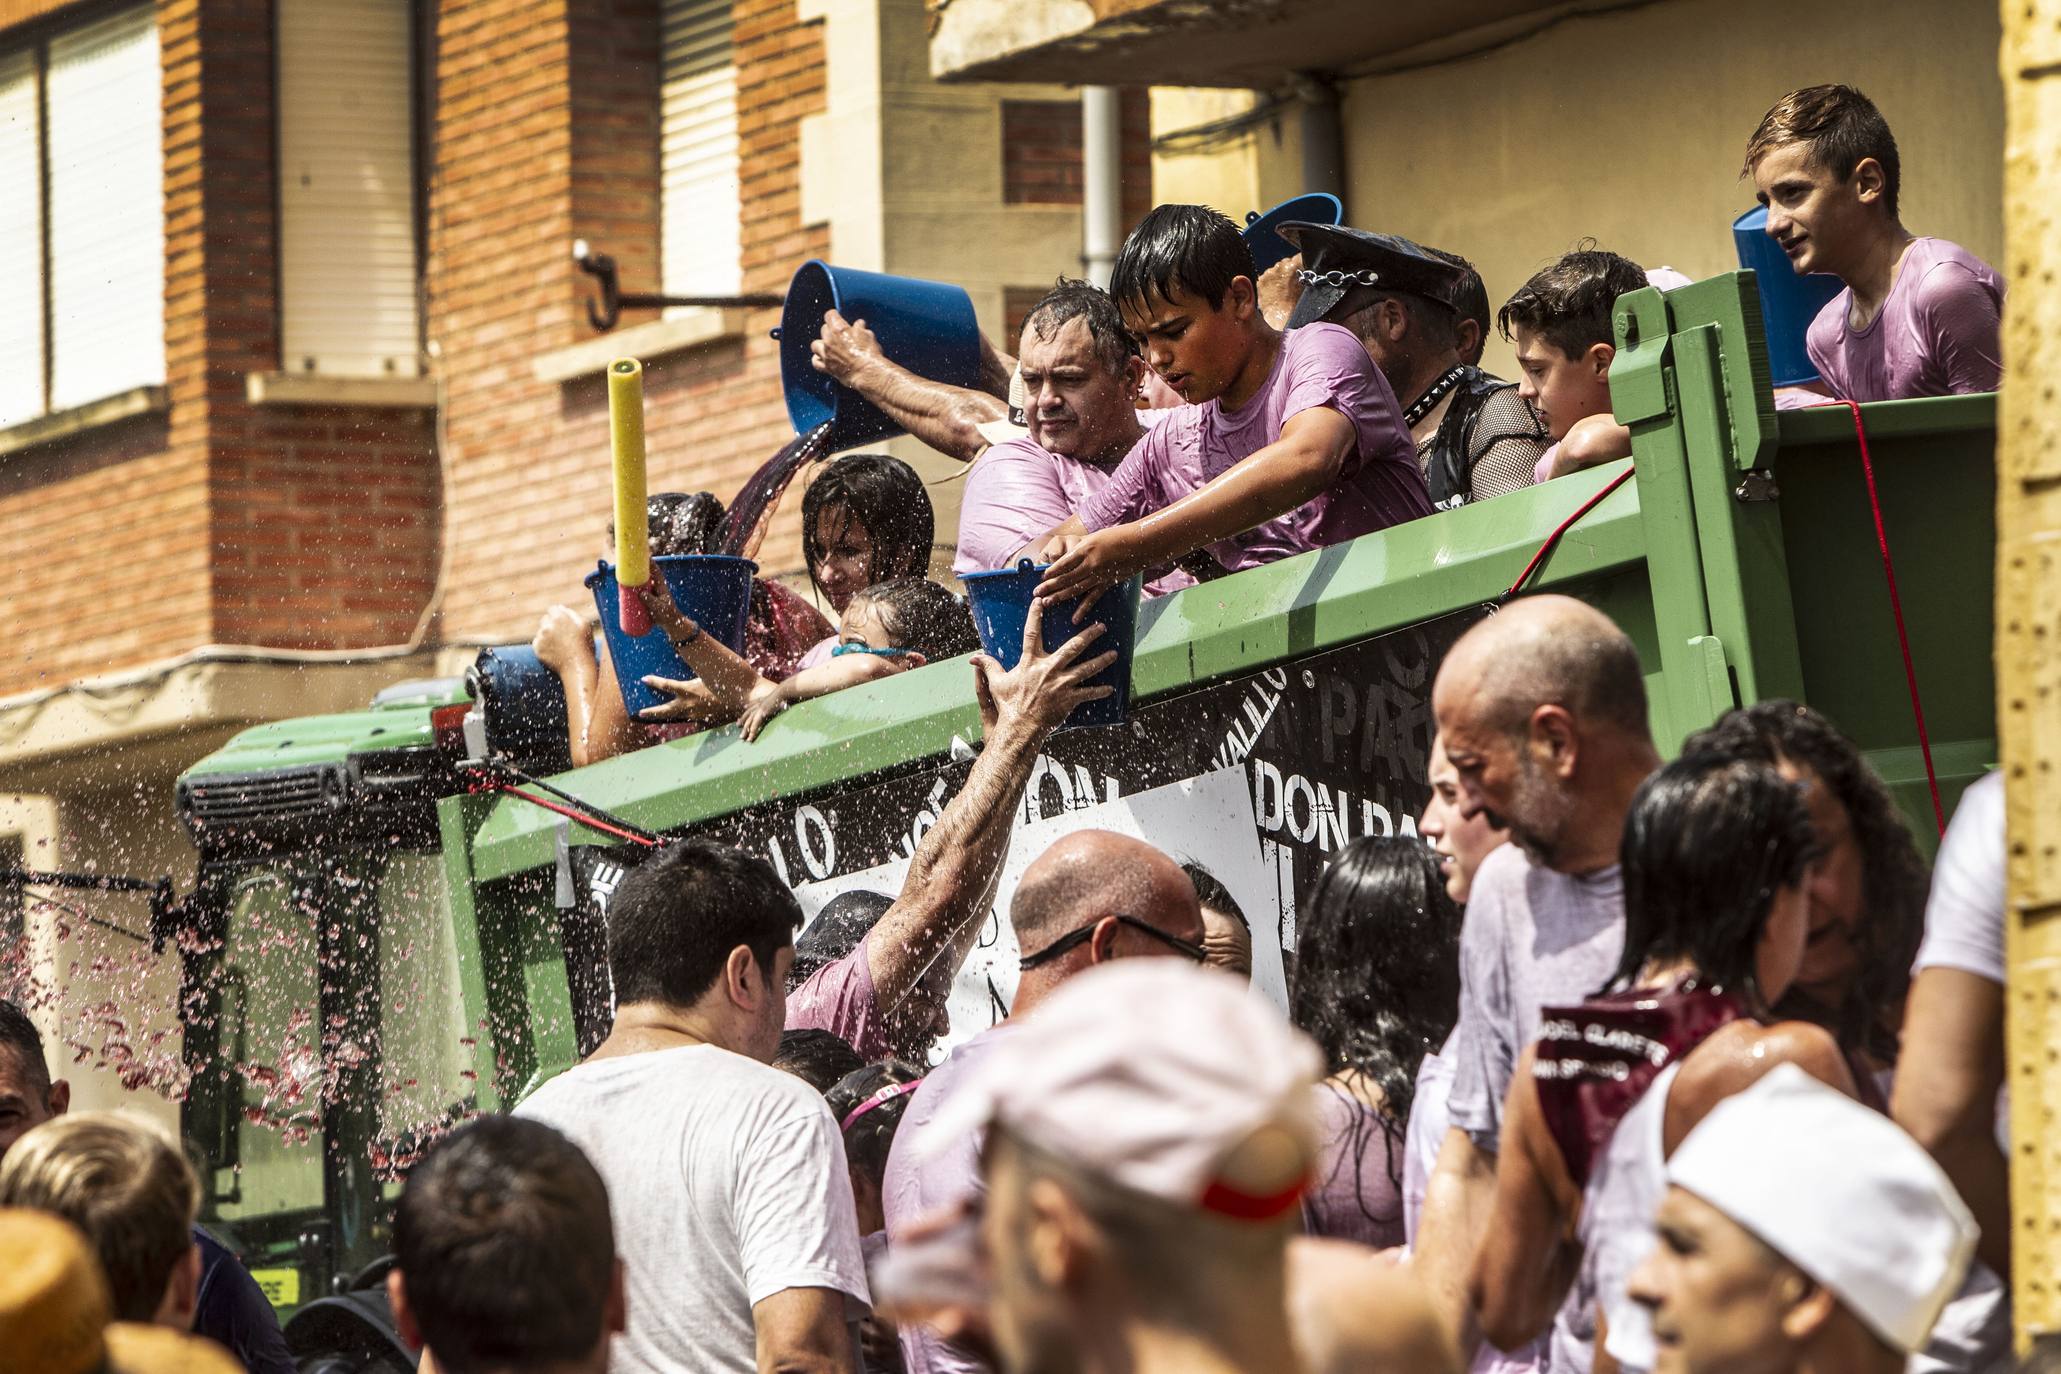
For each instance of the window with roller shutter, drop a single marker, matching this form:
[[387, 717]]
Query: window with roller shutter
[[700, 242], [82, 226], [348, 274]]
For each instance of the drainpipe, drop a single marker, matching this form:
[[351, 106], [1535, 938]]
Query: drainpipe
[[1102, 177], [1323, 134]]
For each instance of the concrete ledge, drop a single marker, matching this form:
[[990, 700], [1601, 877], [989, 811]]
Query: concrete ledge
[[108, 410], [690, 328], [309, 389]]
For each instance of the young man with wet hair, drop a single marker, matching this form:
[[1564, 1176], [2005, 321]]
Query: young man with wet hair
[[1560, 323], [737, 1225], [1475, 436], [1289, 442], [505, 1257], [1919, 316]]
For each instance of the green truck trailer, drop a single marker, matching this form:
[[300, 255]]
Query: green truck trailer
[[391, 955]]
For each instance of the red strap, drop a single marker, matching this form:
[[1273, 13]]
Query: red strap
[[498, 785], [1226, 1201], [1896, 607], [1565, 525]]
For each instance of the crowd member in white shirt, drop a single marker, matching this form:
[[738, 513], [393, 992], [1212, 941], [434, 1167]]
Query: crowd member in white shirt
[[733, 1211]]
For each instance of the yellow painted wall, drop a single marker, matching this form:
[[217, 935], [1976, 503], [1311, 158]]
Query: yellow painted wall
[[1630, 128]]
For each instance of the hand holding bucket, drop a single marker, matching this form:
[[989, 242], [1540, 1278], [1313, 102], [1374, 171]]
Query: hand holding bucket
[[632, 528], [1009, 617]]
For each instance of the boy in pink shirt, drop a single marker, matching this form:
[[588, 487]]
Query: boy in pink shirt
[[1919, 316], [1287, 443]]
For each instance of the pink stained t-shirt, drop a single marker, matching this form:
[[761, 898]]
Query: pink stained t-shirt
[[1018, 491], [1936, 335], [819, 653], [839, 997], [1379, 485]]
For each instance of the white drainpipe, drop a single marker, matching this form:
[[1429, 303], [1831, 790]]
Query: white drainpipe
[[1102, 175]]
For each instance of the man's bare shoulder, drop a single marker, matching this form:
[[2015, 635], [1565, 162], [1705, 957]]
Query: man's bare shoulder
[[1360, 1310]]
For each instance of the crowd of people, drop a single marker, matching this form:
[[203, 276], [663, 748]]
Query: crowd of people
[[1618, 1064], [1200, 418]]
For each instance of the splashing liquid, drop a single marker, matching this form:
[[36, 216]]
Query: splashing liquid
[[744, 527]]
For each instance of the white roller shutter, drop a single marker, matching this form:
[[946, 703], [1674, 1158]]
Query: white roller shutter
[[347, 270], [701, 243], [21, 243], [107, 210]]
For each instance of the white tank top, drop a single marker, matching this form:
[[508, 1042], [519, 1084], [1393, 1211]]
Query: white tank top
[[1625, 1187]]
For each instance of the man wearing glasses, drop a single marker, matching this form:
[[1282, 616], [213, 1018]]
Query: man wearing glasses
[[1092, 897]]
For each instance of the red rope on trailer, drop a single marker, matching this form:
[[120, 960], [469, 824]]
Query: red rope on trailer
[[1896, 607], [595, 822], [1564, 526]]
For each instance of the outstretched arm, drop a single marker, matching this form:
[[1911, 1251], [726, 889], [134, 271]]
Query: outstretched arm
[[720, 668], [942, 415], [953, 872], [1946, 1094], [1304, 462]]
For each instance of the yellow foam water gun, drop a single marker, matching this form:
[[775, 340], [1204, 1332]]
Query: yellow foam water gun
[[632, 526]]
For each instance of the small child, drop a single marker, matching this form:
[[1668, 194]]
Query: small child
[[1919, 316], [1560, 322], [889, 627]]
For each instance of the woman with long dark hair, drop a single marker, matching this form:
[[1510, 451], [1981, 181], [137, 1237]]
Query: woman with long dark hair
[[1717, 853], [866, 518], [1377, 986]]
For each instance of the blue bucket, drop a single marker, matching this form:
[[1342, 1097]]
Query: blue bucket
[[1268, 247], [523, 705], [1000, 602], [713, 589], [927, 327], [1788, 303]]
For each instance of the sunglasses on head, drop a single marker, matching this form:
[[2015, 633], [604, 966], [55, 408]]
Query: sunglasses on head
[[1073, 939]]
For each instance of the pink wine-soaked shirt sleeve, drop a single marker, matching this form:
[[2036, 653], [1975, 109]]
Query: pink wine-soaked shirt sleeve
[[1015, 493], [1963, 320], [839, 998], [1133, 490]]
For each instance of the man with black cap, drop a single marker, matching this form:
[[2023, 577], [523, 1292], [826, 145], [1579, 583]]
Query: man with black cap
[[1408, 306]]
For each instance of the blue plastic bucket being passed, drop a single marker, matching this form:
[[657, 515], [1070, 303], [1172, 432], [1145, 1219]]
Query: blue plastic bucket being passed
[[927, 327], [1788, 303], [711, 589], [1268, 247], [1000, 602]]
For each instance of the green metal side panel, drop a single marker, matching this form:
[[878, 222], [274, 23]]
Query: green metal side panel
[[319, 739], [1402, 576]]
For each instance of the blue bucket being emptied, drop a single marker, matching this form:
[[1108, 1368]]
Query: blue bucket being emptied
[[711, 589], [1788, 303], [1000, 602], [927, 327]]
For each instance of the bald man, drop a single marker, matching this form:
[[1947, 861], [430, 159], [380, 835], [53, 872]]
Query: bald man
[[1542, 710], [1094, 896]]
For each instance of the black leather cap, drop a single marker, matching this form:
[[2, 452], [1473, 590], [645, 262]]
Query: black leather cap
[[1338, 258]]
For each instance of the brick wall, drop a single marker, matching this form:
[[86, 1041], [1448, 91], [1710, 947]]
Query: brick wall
[[216, 521], [1041, 152], [521, 172]]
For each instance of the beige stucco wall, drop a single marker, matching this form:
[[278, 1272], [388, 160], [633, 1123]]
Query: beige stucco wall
[[1630, 129]]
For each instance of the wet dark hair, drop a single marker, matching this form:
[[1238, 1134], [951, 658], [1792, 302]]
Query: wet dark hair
[[817, 1057], [1070, 300], [1708, 843], [1189, 247], [680, 522], [19, 1034], [1471, 302], [675, 919], [1568, 304], [502, 1236], [1841, 126], [836, 931], [1894, 881], [887, 498], [923, 616], [1377, 969], [866, 1143], [1211, 892]]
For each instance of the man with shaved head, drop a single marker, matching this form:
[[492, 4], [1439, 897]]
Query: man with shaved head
[[1542, 710], [1093, 897]]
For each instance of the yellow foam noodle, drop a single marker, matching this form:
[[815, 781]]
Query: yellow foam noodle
[[626, 443]]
